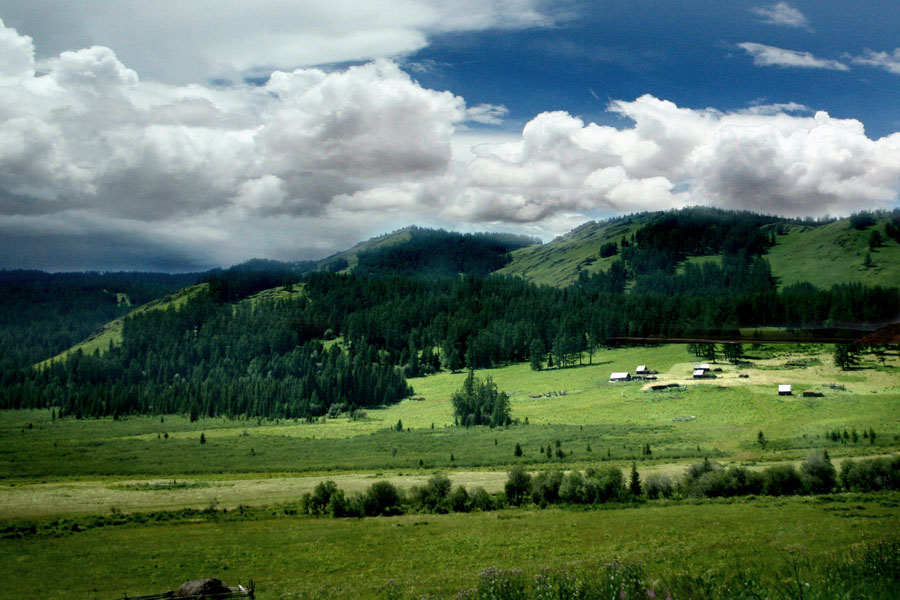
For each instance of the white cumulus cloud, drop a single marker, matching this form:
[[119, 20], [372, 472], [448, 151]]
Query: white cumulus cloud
[[102, 169]]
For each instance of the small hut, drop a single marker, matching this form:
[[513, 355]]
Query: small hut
[[699, 374], [784, 389], [616, 377], [642, 370]]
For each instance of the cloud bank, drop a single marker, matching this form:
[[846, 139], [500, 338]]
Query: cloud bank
[[102, 169], [230, 39]]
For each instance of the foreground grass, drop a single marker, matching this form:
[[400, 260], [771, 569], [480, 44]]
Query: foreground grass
[[440, 554]]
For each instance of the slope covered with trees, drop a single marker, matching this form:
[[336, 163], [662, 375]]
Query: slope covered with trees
[[864, 248], [42, 314], [409, 308]]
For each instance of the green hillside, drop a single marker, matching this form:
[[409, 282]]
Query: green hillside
[[834, 253], [559, 262], [823, 255], [111, 333], [346, 260]]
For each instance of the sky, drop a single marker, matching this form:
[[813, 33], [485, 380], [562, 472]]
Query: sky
[[180, 136]]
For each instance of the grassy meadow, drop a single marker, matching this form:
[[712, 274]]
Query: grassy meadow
[[442, 554], [54, 468]]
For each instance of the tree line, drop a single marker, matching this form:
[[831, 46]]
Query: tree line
[[607, 484]]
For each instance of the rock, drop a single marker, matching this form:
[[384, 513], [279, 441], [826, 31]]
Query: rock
[[207, 586]]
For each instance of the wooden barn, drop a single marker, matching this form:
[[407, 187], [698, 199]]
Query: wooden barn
[[784, 389], [616, 377]]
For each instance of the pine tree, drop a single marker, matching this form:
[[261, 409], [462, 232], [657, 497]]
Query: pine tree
[[634, 484], [518, 450], [536, 352], [202, 438]]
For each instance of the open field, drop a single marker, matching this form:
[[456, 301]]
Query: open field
[[613, 420], [292, 557]]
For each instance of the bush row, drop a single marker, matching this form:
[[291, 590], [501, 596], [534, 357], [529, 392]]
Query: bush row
[[705, 479]]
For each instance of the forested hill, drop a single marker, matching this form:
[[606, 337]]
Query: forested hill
[[861, 249], [259, 339], [42, 314], [420, 253]]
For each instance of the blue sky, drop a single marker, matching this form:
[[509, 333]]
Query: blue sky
[[177, 136], [686, 52]]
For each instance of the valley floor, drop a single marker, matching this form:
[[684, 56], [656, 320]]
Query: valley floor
[[57, 468]]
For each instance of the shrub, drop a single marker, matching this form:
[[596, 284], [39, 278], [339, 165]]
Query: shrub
[[433, 495], [871, 475], [338, 506], [481, 500], [572, 490], [782, 480], [818, 474], [517, 486], [459, 500], [382, 498], [658, 486], [320, 498], [545, 487], [605, 485]]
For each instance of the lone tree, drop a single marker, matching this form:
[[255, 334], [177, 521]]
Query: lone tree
[[518, 451], [875, 240], [733, 352], [480, 403], [846, 355], [634, 484], [761, 440]]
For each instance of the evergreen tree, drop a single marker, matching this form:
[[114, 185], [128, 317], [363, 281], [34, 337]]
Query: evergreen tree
[[634, 482], [536, 353], [846, 355], [875, 240], [733, 353]]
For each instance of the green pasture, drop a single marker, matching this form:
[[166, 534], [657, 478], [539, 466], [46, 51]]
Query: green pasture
[[299, 557], [800, 253], [593, 420]]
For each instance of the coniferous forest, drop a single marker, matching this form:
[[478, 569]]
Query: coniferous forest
[[224, 353]]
